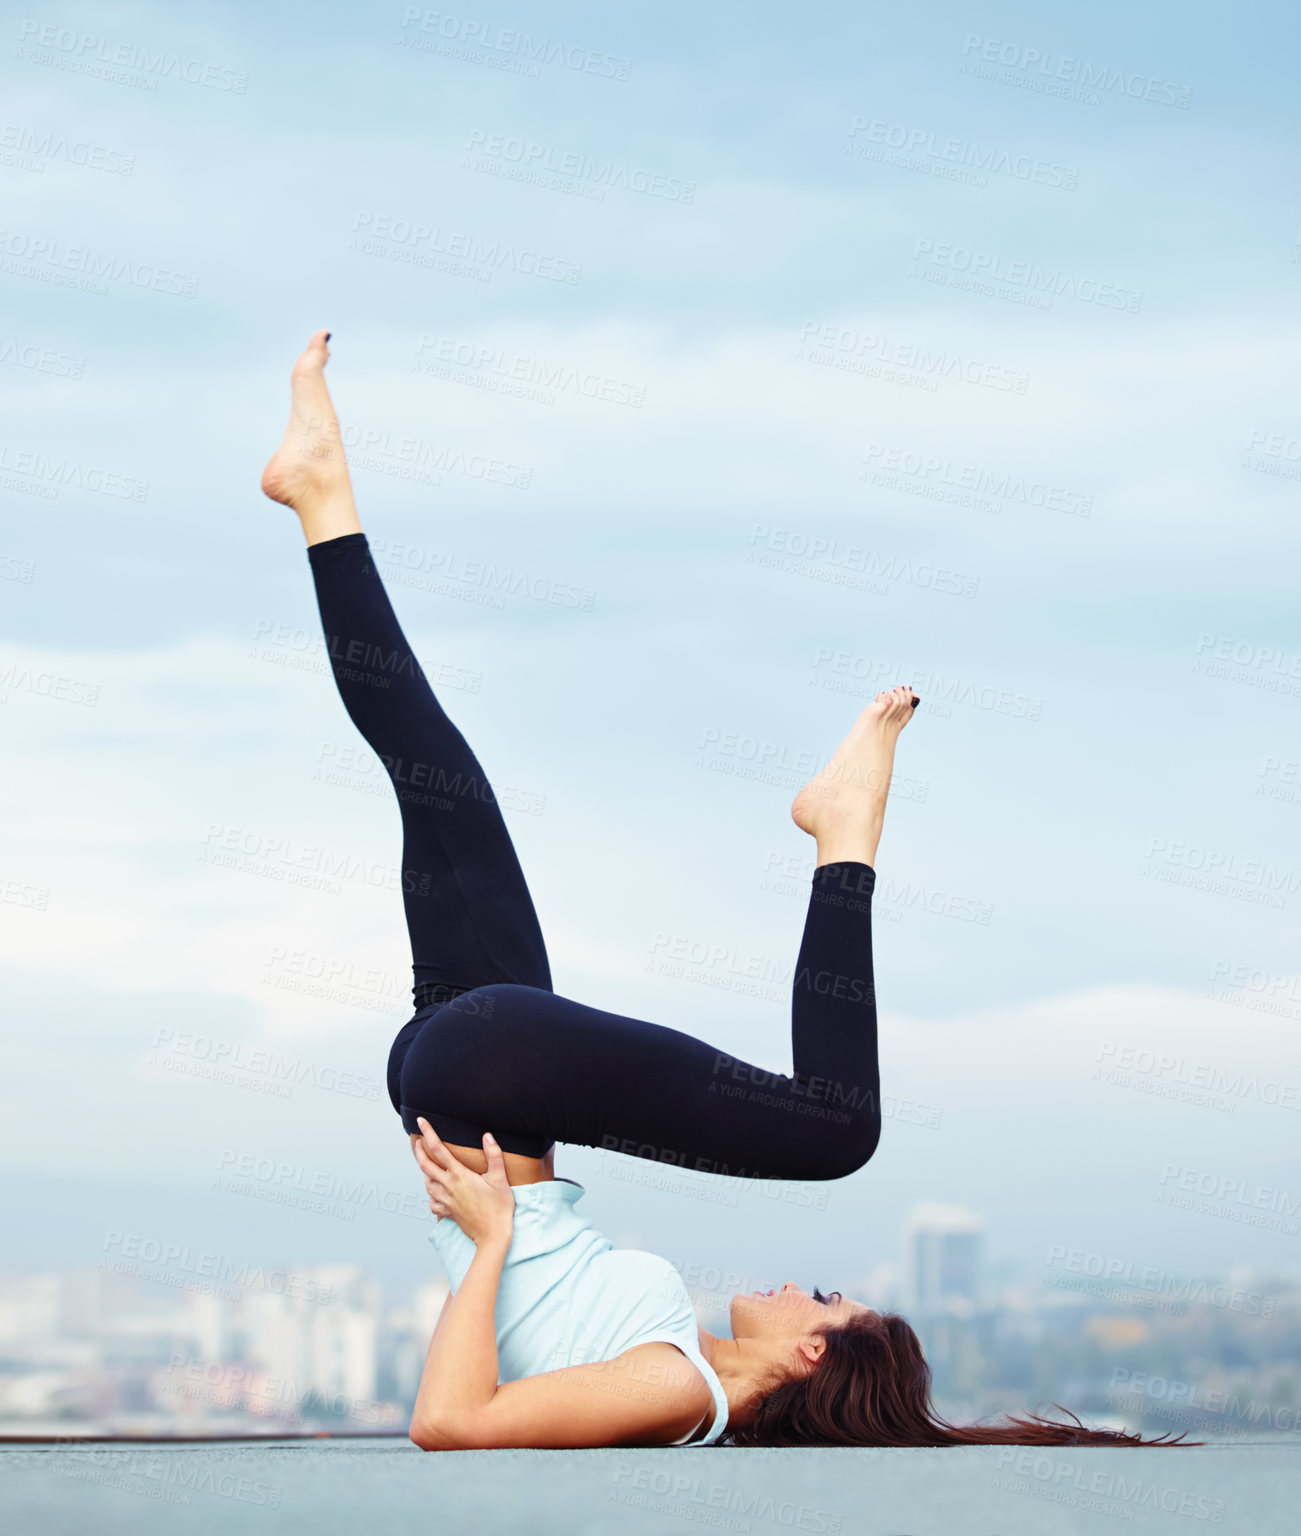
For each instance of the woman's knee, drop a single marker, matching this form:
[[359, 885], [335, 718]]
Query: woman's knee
[[852, 1146]]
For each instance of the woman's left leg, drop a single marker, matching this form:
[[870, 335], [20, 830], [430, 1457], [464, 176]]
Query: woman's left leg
[[537, 1068], [534, 1068]]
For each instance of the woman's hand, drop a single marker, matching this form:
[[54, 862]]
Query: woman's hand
[[481, 1204]]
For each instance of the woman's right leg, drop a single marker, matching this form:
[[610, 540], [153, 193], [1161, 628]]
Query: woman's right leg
[[469, 913], [512, 1057]]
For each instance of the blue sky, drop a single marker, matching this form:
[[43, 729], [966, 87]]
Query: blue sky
[[969, 360]]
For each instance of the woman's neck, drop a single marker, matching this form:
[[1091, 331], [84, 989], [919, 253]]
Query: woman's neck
[[741, 1373]]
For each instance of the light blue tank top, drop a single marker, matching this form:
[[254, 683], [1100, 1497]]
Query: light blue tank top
[[569, 1296]]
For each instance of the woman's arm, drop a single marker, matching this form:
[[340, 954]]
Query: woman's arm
[[460, 1375], [651, 1395]]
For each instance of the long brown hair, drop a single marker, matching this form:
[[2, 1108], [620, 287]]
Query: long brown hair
[[872, 1386]]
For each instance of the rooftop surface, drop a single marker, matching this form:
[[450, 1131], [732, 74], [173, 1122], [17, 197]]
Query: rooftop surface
[[324, 1487]]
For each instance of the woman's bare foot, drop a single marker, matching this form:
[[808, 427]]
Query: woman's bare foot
[[308, 471], [844, 806]]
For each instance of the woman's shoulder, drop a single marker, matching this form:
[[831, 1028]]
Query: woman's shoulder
[[690, 1405]]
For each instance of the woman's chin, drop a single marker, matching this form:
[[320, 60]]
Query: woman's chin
[[743, 1311]]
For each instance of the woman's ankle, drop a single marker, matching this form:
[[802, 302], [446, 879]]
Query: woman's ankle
[[330, 518]]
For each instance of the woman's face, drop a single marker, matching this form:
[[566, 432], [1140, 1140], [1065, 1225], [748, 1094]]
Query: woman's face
[[789, 1313]]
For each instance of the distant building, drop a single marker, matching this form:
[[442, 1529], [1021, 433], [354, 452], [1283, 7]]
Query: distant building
[[942, 1260], [406, 1339], [324, 1341]]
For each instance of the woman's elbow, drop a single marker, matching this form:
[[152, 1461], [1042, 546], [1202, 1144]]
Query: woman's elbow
[[421, 1438], [433, 1435]]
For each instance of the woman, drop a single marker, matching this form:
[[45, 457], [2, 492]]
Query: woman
[[551, 1337]]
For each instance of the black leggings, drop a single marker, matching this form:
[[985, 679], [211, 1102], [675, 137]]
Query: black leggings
[[491, 1046]]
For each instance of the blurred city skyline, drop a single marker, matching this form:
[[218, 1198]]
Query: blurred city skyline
[[160, 1341]]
